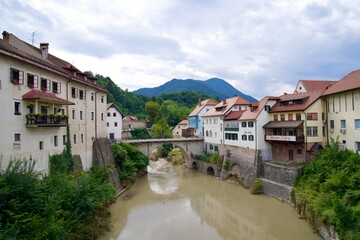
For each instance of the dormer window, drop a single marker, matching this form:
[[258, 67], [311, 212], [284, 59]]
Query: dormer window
[[16, 76]]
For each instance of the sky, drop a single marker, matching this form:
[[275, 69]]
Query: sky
[[260, 47]]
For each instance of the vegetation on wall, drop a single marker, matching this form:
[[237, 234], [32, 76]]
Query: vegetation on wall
[[140, 133], [129, 160], [165, 149], [328, 191]]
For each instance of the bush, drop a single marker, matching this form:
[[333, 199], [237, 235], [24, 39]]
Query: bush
[[214, 158], [140, 133], [165, 149], [257, 186]]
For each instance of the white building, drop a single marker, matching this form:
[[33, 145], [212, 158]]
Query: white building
[[196, 122], [214, 121], [114, 121], [43, 95]]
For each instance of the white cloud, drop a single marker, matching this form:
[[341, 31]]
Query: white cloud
[[260, 47]]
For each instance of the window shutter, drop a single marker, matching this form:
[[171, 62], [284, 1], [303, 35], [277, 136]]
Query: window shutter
[[21, 77], [58, 87], [36, 80], [48, 84]]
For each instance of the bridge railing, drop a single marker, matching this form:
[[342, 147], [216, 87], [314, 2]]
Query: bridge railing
[[177, 139]]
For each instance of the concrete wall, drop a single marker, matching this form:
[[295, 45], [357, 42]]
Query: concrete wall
[[280, 174]]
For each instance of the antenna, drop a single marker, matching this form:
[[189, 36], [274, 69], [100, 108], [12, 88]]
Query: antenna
[[33, 38]]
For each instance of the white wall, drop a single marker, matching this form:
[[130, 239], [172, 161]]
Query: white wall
[[111, 120]]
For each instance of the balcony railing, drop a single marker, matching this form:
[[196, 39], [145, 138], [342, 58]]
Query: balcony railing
[[284, 138], [46, 120], [232, 129]]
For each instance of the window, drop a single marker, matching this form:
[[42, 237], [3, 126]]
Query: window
[[290, 117], [82, 138], [312, 131], [276, 117], [108, 114], [64, 139], [343, 123], [323, 116], [299, 151], [17, 137], [41, 145], [115, 124], [107, 124], [16, 76], [56, 141], [243, 124], [74, 92], [32, 81], [74, 138], [81, 115], [357, 123], [311, 116], [244, 137], [81, 94], [211, 147], [73, 114], [102, 98], [92, 96], [102, 116], [17, 108], [357, 147], [216, 149], [353, 101], [56, 87], [250, 124], [267, 108], [282, 117], [298, 116], [45, 84], [332, 124], [114, 114], [251, 137], [92, 116]]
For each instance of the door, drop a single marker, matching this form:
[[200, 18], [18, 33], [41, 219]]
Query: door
[[291, 154], [111, 135]]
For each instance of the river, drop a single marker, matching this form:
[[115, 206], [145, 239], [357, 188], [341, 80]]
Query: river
[[176, 203]]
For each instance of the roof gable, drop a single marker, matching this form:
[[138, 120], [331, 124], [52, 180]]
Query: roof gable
[[349, 82]]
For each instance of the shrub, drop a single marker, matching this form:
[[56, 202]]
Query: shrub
[[257, 186]]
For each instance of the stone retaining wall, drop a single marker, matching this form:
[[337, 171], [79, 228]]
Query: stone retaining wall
[[277, 190], [280, 174]]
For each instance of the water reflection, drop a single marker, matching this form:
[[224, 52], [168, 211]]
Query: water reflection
[[179, 203]]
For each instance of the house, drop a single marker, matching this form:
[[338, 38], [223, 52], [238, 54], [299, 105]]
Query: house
[[297, 128], [181, 129], [214, 121], [131, 122], [342, 101], [196, 122], [114, 121], [44, 94]]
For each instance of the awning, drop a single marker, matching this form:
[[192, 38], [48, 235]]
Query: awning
[[283, 124], [42, 95], [314, 147]]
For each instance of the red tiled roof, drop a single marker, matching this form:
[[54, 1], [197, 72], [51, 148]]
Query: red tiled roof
[[261, 104], [308, 99], [198, 108], [349, 82], [37, 94], [184, 122], [233, 115], [316, 85], [28, 53], [226, 105]]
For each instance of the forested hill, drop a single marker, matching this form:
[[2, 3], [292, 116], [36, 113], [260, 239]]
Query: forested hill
[[214, 87], [134, 104]]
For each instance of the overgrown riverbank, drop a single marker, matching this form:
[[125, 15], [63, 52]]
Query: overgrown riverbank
[[328, 191]]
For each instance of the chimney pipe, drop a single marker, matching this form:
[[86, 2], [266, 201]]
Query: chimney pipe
[[44, 47], [224, 101], [6, 36], [199, 101]]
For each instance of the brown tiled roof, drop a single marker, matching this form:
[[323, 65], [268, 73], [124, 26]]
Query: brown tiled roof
[[226, 105], [249, 114], [349, 82], [28, 53], [308, 99], [198, 108], [113, 104], [184, 122], [283, 124], [316, 85], [37, 94], [233, 115]]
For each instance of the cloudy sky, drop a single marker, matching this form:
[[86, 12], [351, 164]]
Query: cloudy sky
[[260, 47]]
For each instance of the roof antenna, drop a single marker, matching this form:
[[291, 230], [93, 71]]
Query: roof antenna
[[33, 38]]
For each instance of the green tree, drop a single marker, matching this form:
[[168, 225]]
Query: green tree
[[152, 110]]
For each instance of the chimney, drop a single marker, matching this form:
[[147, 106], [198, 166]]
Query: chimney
[[44, 47], [6, 36], [199, 101], [224, 101]]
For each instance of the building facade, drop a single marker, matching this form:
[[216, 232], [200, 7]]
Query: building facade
[[196, 122], [44, 95], [114, 121]]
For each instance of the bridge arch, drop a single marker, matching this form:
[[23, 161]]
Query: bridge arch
[[194, 165], [210, 170]]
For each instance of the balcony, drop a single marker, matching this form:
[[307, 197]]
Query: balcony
[[46, 120], [285, 138], [232, 129]]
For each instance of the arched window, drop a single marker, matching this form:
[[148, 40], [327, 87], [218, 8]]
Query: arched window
[[211, 147], [207, 133], [216, 149], [251, 137], [215, 134], [210, 133]]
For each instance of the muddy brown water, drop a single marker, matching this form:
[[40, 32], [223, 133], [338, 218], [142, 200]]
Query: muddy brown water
[[176, 203]]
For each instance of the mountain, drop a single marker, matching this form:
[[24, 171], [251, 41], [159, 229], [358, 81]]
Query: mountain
[[214, 87]]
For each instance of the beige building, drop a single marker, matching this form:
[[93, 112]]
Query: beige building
[[181, 129], [41, 95], [343, 111]]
